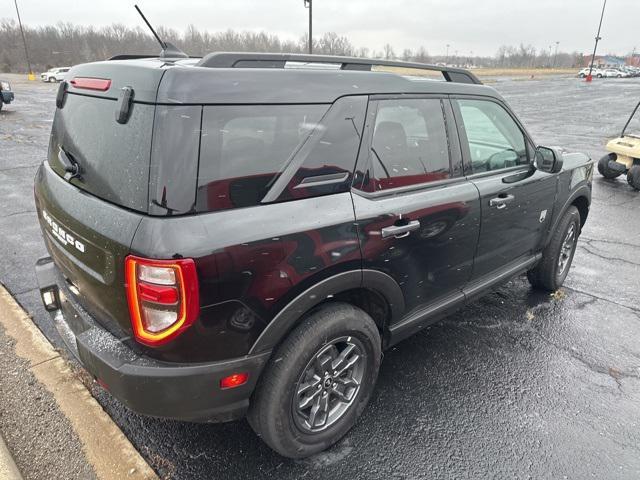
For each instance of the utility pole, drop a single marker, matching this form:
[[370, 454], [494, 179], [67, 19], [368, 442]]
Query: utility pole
[[598, 38], [31, 76], [446, 60], [308, 4], [555, 57]]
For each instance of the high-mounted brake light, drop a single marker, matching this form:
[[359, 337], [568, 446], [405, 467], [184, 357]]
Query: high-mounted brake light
[[163, 297], [89, 83]]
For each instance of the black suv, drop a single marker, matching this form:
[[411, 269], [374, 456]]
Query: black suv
[[244, 234]]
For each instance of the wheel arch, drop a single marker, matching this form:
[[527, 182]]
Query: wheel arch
[[375, 292], [581, 199]]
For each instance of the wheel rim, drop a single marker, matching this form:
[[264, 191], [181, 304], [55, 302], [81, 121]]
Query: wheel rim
[[329, 384], [567, 249]]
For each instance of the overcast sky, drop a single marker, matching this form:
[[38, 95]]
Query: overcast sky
[[479, 26]]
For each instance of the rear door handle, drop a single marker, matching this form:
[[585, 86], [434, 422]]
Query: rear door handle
[[400, 231], [501, 201]]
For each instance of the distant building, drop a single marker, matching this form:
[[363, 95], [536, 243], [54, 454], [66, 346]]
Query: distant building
[[604, 61], [634, 60]]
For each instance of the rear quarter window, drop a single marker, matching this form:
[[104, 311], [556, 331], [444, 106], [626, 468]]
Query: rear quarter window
[[244, 148]]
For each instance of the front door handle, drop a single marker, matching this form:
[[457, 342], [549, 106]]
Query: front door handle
[[501, 201], [400, 231]]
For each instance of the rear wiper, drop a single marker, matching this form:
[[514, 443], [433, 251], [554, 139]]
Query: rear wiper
[[71, 166]]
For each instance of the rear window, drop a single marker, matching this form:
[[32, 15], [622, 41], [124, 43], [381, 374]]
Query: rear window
[[113, 158], [245, 148]]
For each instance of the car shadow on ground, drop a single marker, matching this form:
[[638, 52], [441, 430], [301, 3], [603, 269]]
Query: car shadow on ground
[[426, 374]]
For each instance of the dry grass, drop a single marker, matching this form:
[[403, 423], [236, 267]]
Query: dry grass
[[485, 72], [527, 72]]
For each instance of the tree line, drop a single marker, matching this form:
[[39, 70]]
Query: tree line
[[66, 44]]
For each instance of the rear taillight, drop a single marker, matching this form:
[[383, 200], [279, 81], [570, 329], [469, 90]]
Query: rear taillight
[[163, 297]]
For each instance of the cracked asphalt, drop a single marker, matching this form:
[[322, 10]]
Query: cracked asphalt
[[518, 385]]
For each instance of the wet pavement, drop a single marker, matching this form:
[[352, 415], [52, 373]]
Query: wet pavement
[[518, 385]]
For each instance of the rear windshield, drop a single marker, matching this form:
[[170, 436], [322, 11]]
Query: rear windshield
[[113, 158], [245, 148]]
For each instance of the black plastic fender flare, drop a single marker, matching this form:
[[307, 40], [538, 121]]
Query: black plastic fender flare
[[581, 191], [287, 318]]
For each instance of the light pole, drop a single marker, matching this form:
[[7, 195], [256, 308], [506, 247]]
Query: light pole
[[598, 38], [31, 76], [555, 57], [307, 4], [446, 60]]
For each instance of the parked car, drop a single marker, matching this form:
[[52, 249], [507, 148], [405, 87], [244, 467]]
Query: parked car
[[613, 73], [6, 95], [54, 75], [584, 72], [595, 72], [279, 227]]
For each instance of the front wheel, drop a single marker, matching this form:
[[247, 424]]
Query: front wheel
[[605, 170], [550, 273], [319, 381], [633, 177]]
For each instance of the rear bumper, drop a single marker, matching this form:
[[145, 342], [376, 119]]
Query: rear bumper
[[188, 392]]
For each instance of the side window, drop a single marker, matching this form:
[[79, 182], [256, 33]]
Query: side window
[[244, 149], [495, 140], [409, 145], [325, 163]]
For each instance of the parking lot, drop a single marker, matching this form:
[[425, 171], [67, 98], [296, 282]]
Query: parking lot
[[518, 385]]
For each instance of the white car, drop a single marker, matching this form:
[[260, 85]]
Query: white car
[[596, 72], [613, 73], [54, 75]]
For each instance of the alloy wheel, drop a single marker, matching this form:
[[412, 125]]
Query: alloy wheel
[[329, 384]]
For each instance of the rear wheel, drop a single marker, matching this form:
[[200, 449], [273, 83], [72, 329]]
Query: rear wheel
[[552, 270], [605, 170], [319, 382], [633, 177]]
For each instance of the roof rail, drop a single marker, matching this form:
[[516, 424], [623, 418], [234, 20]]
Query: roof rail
[[279, 60], [130, 57]]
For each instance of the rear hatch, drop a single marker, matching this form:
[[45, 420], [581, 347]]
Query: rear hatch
[[89, 220]]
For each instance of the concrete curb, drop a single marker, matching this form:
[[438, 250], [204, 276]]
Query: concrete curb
[[107, 449], [8, 469]]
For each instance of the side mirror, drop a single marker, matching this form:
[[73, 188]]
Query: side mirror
[[548, 159]]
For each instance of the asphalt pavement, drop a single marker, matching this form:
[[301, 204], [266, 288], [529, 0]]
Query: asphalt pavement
[[518, 385]]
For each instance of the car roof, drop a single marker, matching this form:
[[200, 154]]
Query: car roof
[[267, 78], [193, 84]]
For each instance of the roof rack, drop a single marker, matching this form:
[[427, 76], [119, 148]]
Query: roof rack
[[279, 60], [130, 57]]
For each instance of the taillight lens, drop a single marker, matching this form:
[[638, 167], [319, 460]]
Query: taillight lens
[[163, 297]]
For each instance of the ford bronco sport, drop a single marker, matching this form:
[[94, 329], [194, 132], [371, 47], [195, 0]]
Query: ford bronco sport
[[244, 234]]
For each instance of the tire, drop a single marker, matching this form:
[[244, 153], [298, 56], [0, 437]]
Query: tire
[[51, 79], [599, 75], [275, 413], [550, 273], [633, 177], [603, 167]]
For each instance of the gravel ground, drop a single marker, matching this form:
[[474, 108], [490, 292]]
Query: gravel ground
[[48, 448], [517, 385]]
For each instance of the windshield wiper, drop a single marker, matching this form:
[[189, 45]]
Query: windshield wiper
[[70, 165]]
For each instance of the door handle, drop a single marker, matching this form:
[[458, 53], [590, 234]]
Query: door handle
[[400, 231], [501, 201]]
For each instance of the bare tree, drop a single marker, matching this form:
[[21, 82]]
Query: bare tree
[[387, 51]]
